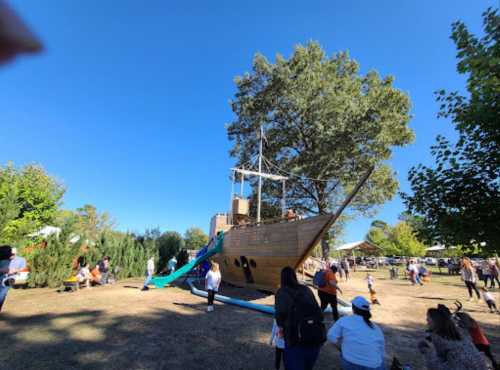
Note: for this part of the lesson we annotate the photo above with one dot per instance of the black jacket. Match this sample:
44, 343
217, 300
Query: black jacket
283, 304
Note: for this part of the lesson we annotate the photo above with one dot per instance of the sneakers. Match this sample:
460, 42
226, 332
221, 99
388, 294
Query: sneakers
144, 288
210, 308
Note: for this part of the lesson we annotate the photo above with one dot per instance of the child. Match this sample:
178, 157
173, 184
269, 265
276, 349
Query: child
465, 321
150, 269
373, 297
212, 282
369, 279
278, 342
490, 301
84, 275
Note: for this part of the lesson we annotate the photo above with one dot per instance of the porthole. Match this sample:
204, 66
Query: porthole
236, 262
253, 263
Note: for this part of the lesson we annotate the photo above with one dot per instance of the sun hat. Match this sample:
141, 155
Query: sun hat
361, 303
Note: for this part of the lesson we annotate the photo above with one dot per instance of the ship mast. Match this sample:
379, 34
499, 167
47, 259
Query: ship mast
261, 175
259, 188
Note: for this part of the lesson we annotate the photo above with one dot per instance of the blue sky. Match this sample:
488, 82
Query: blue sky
128, 103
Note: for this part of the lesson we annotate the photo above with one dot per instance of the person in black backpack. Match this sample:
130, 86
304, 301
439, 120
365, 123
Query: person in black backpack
300, 321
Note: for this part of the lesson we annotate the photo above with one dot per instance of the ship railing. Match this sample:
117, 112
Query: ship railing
274, 220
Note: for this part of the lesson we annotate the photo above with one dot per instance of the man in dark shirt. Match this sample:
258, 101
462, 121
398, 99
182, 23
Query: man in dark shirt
104, 270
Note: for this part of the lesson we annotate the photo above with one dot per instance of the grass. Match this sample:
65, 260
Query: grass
120, 327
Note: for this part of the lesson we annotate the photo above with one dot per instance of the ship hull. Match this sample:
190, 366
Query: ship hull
254, 256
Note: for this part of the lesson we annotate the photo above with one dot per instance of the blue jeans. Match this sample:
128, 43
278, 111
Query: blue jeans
3, 294
346, 365
417, 279
149, 277
300, 358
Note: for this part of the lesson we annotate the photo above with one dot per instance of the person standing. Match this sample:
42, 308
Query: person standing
172, 265
495, 272
340, 269
360, 341
278, 342
414, 273
297, 311
485, 268
328, 293
469, 277
212, 283
369, 280
347, 268
150, 269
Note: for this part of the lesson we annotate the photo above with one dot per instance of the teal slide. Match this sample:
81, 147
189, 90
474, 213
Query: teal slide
162, 281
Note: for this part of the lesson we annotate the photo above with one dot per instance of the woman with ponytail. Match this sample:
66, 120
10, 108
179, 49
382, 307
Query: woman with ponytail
360, 341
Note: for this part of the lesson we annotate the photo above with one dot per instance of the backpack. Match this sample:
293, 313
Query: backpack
319, 279
307, 327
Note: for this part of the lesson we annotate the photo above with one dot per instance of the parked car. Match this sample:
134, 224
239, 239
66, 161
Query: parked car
429, 261
443, 262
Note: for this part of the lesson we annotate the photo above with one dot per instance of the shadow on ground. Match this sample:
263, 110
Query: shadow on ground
176, 333
158, 340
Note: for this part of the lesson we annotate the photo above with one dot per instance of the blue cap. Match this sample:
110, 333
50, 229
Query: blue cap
361, 303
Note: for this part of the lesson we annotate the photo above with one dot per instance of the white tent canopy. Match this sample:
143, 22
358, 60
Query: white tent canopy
47, 231
436, 248
362, 246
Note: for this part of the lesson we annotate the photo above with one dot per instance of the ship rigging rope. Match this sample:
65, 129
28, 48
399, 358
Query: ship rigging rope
253, 166
268, 162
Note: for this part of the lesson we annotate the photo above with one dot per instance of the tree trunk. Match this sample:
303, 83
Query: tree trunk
325, 248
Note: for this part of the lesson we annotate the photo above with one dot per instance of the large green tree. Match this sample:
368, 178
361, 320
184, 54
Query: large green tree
91, 223
195, 238
459, 197
398, 240
169, 244
29, 199
325, 125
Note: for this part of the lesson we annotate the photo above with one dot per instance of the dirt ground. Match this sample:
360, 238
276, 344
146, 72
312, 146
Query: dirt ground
120, 327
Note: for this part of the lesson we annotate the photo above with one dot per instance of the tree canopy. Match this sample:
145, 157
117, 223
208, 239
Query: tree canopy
398, 240
325, 125
170, 244
29, 199
195, 238
459, 198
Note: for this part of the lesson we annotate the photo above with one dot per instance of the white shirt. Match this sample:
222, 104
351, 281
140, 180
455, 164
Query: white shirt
369, 279
213, 280
83, 273
277, 341
151, 266
413, 268
361, 345
488, 297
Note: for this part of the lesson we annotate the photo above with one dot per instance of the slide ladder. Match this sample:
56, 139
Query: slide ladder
162, 281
